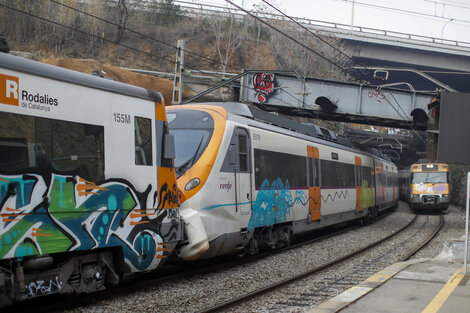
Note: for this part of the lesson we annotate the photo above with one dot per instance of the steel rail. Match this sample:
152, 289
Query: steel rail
271, 287
431, 237
67, 302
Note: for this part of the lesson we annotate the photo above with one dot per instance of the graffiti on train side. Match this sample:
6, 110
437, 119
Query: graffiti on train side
274, 203
68, 213
367, 196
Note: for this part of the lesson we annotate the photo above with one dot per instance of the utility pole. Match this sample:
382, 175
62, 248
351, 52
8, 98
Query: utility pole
178, 79
352, 17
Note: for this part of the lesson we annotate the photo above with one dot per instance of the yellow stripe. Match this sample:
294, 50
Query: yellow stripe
444, 293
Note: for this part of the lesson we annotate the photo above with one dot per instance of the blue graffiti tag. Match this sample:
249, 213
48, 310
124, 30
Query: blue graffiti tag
274, 203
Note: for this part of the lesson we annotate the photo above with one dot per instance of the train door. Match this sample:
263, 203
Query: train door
243, 172
314, 195
358, 175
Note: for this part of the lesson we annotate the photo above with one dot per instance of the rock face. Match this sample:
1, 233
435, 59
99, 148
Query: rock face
4, 45
88, 66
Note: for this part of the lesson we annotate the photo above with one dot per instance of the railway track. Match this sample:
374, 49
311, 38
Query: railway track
364, 267
173, 272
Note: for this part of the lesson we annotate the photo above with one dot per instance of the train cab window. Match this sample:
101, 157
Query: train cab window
429, 177
143, 141
50, 145
193, 131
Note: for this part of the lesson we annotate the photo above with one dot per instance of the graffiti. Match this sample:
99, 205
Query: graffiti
431, 189
377, 95
273, 203
440, 188
168, 196
330, 197
423, 188
226, 186
41, 287
68, 213
263, 85
367, 197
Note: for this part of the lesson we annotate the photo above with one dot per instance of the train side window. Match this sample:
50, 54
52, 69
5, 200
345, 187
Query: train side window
276, 166
311, 174
16, 142
242, 152
143, 141
314, 173
62, 147
76, 148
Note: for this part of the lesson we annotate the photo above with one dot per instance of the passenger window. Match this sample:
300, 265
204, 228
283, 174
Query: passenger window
28, 142
143, 141
242, 152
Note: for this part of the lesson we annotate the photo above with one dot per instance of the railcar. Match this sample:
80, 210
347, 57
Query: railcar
425, 185
87, 184
249, 179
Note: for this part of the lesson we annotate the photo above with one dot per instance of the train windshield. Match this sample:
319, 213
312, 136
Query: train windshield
429, 177
192, 130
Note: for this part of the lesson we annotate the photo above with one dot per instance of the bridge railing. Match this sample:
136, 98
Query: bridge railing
197, 9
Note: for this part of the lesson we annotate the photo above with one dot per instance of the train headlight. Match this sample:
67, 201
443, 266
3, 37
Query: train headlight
193, 183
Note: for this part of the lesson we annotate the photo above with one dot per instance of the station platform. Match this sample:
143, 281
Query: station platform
420, 285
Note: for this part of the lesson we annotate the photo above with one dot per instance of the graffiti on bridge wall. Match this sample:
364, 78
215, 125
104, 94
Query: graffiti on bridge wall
70, 214
263, 85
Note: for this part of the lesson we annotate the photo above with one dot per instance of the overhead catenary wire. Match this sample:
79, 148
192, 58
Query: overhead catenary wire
119, 44
82, 32
403, 116
313, 34
403, 11
287, 35
141, 34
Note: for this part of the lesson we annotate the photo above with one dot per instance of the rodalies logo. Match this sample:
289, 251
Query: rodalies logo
9, 90
10, 93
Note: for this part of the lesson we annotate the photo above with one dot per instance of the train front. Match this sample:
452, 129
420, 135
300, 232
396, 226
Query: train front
198, 132
429, 186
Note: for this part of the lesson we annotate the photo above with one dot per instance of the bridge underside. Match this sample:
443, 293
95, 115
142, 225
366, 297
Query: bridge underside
451, 69
342, 117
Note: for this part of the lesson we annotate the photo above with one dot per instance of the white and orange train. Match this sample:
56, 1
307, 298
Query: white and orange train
250, 179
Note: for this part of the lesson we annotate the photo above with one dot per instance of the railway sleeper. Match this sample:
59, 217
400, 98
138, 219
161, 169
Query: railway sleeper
23, 279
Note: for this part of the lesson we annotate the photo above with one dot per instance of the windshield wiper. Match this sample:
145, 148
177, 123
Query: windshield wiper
180, 170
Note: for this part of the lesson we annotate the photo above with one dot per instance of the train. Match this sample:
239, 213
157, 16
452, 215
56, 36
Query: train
425, 185
250, 179
88, 192
100, 181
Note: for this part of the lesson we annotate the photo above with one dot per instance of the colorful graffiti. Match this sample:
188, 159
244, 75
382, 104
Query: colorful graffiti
367, 197
430, 188
274, 202
263, 85
68, 213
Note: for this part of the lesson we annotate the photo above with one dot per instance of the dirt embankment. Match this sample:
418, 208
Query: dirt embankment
163, 86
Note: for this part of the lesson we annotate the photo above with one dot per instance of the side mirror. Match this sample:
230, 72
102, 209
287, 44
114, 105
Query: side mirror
168, 146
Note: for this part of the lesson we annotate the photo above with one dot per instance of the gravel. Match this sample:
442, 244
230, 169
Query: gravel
200, 291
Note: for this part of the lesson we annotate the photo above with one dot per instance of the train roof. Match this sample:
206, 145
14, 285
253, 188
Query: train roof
27, 66
315, 131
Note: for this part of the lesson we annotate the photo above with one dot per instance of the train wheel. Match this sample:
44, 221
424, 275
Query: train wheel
368, 218
284, 237
252, 248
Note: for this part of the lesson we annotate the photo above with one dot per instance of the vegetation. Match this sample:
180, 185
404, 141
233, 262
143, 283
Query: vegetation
120, 32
